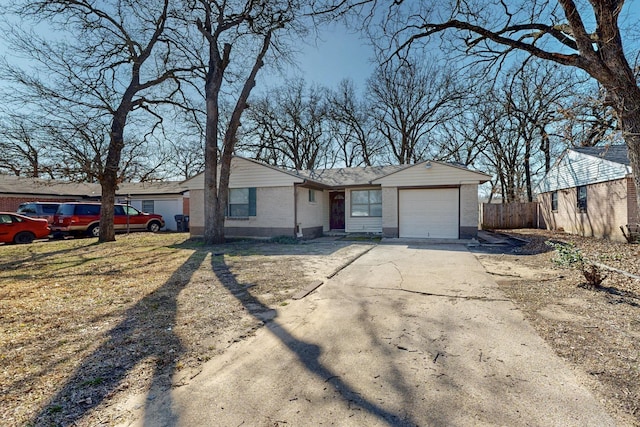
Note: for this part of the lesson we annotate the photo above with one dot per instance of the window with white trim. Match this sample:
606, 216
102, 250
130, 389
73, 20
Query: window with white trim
366, 203
312, 196
147, 206
582, 198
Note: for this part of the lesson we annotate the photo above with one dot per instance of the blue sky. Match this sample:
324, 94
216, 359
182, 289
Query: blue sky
339, 54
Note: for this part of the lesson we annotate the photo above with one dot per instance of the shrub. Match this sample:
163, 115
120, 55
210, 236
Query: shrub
568, 255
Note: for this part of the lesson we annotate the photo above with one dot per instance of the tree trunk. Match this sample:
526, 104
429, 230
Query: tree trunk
630, 124
109, 178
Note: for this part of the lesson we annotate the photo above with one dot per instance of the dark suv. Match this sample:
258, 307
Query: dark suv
83, 218
44, 210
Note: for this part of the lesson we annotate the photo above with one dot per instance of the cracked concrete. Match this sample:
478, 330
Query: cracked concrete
367, 348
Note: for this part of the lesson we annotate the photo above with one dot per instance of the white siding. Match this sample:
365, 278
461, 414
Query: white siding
274, 209
246, 173
575, 169
437, 175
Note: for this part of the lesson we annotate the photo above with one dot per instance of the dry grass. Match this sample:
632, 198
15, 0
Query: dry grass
84, 325
597, 330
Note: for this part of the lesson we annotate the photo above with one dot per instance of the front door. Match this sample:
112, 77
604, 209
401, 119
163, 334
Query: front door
336, 219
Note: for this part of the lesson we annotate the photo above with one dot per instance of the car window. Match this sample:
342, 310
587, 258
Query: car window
66, 209
23, 209
5, 219
87, 210
117, 210
131, 210
49, 209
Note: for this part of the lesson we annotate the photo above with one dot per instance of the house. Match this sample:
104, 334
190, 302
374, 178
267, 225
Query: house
426, 200
590, 191
165, 198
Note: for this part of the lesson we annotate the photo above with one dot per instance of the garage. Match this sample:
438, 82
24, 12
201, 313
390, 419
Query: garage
429, 213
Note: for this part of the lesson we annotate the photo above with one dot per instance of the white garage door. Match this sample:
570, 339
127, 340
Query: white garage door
432, 213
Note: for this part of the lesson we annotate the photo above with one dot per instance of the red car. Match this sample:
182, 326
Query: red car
15, 228
77, 218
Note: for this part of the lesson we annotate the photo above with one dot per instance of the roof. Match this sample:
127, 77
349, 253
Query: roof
345, 177
613, 153
42, 187
585, 166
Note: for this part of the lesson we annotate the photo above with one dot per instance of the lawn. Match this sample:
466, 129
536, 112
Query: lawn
84, 325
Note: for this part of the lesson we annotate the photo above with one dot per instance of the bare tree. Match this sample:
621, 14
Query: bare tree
352, 127
111, 56
583, 35
289, 127
407, 102
24, 151
588, 121
224, 24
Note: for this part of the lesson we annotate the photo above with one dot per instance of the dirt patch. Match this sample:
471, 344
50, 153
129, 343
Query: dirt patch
596, 330
90, 332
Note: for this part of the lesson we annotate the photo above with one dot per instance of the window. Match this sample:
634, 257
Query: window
147, 206
366, 203
582, 198
312, 196
242, 202
554, 201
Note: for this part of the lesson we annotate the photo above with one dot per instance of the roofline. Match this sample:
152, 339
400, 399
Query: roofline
601, 158
405, 167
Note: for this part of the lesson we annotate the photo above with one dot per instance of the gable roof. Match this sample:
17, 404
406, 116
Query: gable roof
584, 166
613, 153
347, 177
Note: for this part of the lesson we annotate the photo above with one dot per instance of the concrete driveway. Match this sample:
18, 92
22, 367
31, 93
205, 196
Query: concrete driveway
406, 335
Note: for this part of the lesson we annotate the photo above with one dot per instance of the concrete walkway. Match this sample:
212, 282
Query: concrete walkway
404, 336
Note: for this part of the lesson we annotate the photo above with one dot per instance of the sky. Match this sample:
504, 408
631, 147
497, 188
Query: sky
339, 54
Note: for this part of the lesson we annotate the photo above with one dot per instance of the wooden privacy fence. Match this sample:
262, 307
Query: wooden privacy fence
509, 215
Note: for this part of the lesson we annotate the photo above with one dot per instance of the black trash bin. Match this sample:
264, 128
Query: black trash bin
179, 222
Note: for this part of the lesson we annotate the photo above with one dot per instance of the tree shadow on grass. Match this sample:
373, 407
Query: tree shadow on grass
307, 353
145, 335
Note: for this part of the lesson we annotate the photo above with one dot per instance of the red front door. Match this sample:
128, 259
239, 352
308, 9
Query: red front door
336, 218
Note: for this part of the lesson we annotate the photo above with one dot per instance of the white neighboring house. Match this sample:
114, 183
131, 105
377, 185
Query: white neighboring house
426, 200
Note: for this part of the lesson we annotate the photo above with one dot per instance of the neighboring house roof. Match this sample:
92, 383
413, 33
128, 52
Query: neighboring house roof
586, 165
41, 187
612, 153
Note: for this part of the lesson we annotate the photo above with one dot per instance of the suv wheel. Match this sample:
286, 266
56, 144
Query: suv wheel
154, 226
94, 230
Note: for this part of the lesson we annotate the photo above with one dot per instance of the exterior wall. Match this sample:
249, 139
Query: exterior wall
310, 215
632, 202
359, 224
606, 210
390, 212
274, 214
326, 212
11, 204
469, 217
